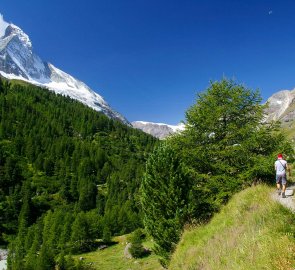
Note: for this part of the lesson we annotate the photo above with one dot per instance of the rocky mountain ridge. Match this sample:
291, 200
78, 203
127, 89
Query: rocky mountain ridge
280, 106
158, 130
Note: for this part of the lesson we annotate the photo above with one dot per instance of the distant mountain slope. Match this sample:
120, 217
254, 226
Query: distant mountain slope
158, 130
249, 233
282, 108
18, 61
279, 105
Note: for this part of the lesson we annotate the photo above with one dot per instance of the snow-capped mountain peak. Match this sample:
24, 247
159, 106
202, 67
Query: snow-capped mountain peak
13, 30
18, 61
159, 130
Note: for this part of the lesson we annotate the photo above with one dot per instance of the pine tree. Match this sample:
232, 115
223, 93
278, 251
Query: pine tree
65, 236
136, 238
106, 236
16, 260
32, 253
164, 199
81, 240
45, 260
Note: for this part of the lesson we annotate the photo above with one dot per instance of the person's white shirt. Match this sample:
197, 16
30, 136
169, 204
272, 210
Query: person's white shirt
281, 166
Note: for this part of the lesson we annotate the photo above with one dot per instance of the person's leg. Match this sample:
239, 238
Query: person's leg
284, 183
278, 185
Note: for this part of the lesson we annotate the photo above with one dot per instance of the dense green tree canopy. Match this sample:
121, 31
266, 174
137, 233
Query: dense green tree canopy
66, 170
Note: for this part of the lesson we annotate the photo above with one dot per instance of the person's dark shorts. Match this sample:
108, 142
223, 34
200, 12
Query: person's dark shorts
281, 179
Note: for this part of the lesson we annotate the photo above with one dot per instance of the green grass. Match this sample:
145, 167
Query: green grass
290, 131
251, 232
112, 258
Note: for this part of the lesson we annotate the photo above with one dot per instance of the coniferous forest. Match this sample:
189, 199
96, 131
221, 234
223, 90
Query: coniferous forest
68, 176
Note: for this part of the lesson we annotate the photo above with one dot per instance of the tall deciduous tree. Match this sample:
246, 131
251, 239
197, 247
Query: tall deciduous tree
226, 144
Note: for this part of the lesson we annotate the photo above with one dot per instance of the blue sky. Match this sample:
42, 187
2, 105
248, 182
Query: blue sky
149, 58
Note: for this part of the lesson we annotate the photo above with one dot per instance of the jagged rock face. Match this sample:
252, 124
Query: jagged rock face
18, 61
289, 117
17, 57
157, 130
279, 106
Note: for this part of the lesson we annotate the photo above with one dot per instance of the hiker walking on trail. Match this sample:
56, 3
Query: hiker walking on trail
281, 168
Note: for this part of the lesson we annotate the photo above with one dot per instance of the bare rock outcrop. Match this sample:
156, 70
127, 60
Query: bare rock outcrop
280, 106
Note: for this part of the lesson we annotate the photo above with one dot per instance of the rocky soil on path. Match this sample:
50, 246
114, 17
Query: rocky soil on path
289, 201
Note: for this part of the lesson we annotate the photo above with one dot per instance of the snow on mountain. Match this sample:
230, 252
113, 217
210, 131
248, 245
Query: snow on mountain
3, 26
158, 130
18, 61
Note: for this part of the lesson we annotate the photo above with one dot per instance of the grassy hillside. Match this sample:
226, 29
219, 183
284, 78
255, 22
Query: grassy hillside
251, 232
112, 258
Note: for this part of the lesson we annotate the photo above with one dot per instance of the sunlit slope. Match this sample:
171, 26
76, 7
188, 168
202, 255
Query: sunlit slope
112, 258
251, 232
